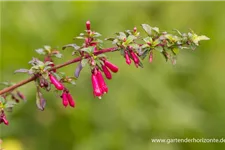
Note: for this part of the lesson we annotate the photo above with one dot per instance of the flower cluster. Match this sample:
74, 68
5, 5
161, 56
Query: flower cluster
98, 82
133, 47
3, 118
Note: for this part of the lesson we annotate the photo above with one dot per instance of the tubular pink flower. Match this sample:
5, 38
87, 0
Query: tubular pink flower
135, 57
151, 56
71, 100
101, 82
128, 61
135, 29
55, 82
6, 122
111, 66
65, 100
88, 25
106, 72
96, 87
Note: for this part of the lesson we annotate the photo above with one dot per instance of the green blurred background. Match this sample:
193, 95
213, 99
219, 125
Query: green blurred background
159, 101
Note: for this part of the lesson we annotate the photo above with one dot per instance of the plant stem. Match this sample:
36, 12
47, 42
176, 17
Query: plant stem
21, 83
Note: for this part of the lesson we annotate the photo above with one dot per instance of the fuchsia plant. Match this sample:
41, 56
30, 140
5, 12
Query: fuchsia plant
131, 45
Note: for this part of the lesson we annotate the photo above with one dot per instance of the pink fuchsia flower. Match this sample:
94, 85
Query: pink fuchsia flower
95, 84
3, 118
88, 25
135, 57
111, 66
150, 56
135, 29
65, 100
70, 100
128, 61
58, 85
101, 82
107, 73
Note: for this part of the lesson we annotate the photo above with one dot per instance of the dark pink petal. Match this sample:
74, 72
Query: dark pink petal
88, 25
111, 66
71, 100
55, 82
128, 61
96, 87
106, 72
101, 82
65, 101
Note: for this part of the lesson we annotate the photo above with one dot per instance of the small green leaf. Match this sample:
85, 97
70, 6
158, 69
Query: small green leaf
148, 39
156, 42
84, 62
89, 49
159, 48
96, 34
147, 28
175, 50
130, 39
74, 46
58, 55
115, 41
156, 29
121, 36
41, 51
21, 71
80, 37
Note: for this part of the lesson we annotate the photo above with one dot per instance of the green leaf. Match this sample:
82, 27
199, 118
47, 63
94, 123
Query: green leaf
156, 42
159, 48
115, 41
148, 39
156, 29
80, 37
145, 53
89, 49
45, 75
175, 50
58, 55
200, 38
79, 68
121, 36
147, 28
21, 71
130, 39
145, 46
41, 51
96, 34
74, 46
84, 62
40, 101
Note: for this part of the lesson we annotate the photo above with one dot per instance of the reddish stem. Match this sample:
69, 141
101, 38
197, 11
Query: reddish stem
21, 83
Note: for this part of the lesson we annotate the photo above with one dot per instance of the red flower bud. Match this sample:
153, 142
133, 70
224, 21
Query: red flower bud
151, 56
111, 66
21, 95
47, 58
96, 87
88, 25
65, 101
71, 100
135, 57
128, 61
106, 72
101, 82
6, 122
55, 82
135, 29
